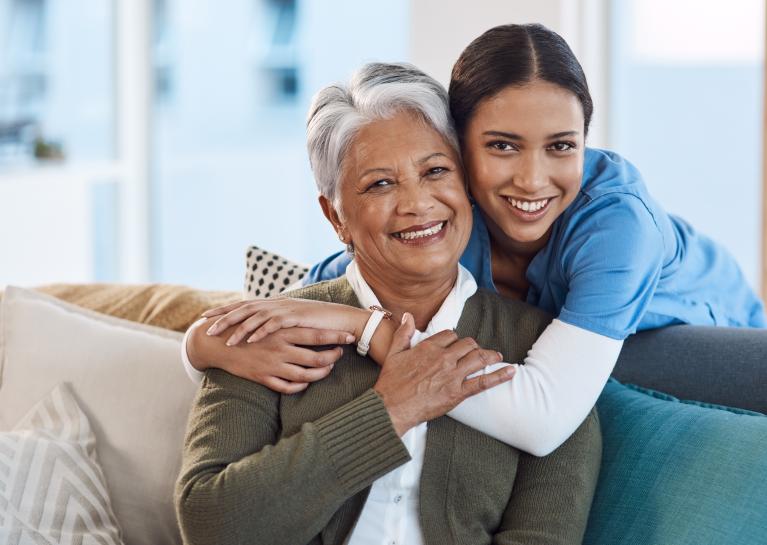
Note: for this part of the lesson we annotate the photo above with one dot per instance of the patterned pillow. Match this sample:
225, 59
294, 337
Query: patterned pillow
268, 274
52, 489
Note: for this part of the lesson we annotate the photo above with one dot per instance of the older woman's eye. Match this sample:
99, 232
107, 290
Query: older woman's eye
436, 171
380, 183
562, 146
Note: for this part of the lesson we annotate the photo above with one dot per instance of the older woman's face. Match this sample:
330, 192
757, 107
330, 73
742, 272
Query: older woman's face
402, 200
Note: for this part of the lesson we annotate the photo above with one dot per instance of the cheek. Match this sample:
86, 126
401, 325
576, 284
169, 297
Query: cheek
569, 176
485, 172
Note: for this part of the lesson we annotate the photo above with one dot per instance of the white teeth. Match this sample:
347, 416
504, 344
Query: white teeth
410, 235
528, 206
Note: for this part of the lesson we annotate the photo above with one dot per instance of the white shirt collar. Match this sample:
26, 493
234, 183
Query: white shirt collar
446, 317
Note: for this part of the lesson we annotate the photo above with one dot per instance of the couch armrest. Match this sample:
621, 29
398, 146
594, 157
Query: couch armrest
727, 366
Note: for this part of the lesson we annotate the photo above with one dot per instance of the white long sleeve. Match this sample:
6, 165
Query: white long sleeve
195, 375
550, 395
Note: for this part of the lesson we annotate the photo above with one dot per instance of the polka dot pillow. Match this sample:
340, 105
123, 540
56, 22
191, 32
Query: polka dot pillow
268, 274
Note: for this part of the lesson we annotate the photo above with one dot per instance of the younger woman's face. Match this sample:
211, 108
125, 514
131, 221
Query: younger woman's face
523, 152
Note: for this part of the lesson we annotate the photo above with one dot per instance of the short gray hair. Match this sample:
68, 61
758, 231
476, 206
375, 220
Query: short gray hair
376, 91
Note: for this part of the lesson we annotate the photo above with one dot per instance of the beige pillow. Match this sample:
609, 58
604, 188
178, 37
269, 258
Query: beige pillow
52, 489
130, 384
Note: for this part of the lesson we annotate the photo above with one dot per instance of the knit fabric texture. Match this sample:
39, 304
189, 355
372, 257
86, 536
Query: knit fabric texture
260, 467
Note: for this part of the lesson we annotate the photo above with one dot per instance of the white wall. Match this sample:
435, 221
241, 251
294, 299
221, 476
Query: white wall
441, 29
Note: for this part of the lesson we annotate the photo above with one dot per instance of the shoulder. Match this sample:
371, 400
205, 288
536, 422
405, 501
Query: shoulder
605, 171
337, 290
510, 321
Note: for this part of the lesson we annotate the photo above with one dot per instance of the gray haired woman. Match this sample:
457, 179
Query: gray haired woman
370, 454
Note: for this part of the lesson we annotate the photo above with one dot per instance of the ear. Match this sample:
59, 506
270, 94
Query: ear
334, 218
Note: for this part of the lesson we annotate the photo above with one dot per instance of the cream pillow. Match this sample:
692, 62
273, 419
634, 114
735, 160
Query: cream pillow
131, 385
268, 274
52, 489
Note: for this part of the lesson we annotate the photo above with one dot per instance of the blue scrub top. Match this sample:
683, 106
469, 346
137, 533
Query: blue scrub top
616, 262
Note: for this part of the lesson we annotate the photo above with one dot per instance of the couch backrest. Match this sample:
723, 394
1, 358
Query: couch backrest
726, 366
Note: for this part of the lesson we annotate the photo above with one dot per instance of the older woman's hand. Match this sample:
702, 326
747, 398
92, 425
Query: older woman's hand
422, 383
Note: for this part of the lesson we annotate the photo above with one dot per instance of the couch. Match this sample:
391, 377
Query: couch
115, 348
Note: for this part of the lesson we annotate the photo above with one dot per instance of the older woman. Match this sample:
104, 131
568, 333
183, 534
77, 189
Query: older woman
367, 455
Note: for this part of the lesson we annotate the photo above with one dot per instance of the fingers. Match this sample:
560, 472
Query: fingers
248, 326
223, 309
484, 382
461, 348
298, 374
477, 359
306, 336
443, 338
271, 325
232, 317
311, 358
283, 386
401, 339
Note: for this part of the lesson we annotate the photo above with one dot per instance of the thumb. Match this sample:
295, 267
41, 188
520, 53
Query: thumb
400, 341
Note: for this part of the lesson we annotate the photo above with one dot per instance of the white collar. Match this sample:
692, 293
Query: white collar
449, 312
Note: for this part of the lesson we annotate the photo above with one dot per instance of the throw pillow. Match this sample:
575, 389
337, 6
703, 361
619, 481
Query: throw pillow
268, 274
52, 489
129, 381
676, 472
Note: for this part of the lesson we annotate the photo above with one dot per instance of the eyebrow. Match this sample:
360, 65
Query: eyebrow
515, 136
418, 162
431, 156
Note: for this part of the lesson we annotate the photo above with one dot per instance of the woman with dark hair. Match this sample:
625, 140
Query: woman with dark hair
569, 229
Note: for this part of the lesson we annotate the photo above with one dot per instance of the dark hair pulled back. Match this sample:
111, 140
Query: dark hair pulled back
513, 55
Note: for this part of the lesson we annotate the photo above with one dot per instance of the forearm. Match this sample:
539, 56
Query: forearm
550, 395
552, 495
241, 482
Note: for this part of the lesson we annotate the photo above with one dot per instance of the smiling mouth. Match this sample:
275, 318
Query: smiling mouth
528, 206
420, 232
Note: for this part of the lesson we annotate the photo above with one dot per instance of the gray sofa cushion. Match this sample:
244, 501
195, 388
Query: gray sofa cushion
720, 365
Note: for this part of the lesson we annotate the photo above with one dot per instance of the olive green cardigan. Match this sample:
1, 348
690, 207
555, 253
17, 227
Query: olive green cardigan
264, 468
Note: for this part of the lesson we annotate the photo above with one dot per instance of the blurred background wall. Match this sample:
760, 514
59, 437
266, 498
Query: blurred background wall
153, 140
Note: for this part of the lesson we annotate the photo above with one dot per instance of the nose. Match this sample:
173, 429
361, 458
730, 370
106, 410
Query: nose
414, 199
530, 174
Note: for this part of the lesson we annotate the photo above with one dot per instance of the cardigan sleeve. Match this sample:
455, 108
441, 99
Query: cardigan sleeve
551, 498
242, 482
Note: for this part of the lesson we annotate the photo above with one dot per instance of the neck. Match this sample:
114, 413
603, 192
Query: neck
512, 247
420, 297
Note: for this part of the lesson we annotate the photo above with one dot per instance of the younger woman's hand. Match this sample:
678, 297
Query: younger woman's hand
282, 361
256, 319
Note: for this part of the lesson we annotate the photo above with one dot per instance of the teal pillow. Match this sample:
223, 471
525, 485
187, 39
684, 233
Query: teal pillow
678, 472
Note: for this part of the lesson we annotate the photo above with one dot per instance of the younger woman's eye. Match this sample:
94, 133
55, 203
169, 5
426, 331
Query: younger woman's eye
499, 145
562, 146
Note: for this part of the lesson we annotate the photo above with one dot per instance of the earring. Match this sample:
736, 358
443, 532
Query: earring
341, 238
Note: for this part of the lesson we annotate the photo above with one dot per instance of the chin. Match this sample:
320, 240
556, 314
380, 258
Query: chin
427, 267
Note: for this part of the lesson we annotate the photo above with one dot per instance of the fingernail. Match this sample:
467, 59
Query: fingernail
229, 343
211, 330
350, 338
404, 317
500, 356
510, 371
